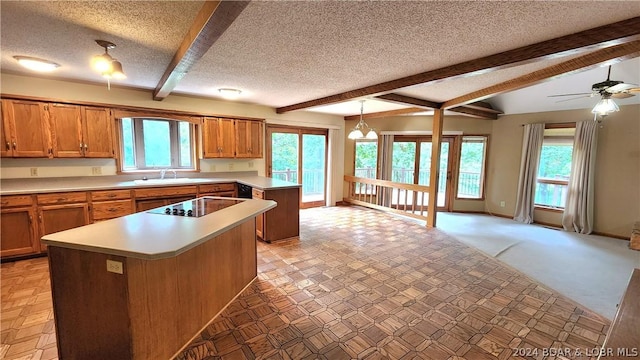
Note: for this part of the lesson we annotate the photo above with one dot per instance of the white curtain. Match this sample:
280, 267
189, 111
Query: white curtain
386, 167
578, 211
531, 147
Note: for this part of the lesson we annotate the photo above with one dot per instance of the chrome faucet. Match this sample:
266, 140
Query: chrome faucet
164, 171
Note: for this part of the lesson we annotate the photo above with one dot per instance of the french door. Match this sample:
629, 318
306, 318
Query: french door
411, 164
299, 155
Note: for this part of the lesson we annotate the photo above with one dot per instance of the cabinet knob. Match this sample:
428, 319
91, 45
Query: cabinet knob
86, 147
15, 145
8, 146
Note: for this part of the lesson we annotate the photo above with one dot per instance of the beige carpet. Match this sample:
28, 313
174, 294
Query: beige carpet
592, 270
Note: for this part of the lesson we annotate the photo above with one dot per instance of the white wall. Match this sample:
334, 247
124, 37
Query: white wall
11, 84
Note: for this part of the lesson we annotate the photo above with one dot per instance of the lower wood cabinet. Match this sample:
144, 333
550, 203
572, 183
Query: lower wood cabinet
109, 204
54, 218
18, 230
223, 189
283, 221
151, 198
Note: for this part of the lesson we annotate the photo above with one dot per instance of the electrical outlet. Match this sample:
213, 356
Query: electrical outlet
34, 171
212, 168
114, 267
502, 204
230, 166
250, 164
96, 170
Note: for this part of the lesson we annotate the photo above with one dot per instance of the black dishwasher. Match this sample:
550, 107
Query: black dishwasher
244, 191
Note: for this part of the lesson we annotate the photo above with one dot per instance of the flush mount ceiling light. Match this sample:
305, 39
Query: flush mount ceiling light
357, 133
106, 65
36, 64
229, 93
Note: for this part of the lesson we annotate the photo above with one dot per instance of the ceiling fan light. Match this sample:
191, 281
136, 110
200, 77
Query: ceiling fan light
605, 106
355, 134
117, 72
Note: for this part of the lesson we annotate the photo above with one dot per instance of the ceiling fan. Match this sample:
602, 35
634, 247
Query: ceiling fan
607, 89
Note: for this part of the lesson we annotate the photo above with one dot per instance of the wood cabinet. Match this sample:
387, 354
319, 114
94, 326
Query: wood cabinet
218, 135
223, 189
80, 131
25, 130
283, 221
232, 138
249, 138
61, 211
109, 204
152, 198
18, 231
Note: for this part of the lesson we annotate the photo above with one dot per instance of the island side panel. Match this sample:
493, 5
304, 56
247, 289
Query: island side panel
90, 305
283, 221
178, 297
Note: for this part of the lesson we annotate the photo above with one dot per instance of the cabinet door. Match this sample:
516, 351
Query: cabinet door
227, 137
259, 194
28, 126
18, 232
5, 135
66, 130
256, 139
97, 133
144, 205
56, 218
210, 144
243, 138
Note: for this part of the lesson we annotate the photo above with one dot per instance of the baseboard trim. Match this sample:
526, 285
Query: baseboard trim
611, 235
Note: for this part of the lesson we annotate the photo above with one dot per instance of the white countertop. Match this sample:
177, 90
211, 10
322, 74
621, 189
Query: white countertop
156, 236
48, 185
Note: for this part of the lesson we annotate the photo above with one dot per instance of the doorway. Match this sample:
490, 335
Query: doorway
299, 155
411, 164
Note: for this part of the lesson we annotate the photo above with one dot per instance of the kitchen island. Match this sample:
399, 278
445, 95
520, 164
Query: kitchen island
143, 285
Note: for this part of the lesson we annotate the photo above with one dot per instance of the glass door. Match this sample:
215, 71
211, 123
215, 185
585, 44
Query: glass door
411, 164
299, 155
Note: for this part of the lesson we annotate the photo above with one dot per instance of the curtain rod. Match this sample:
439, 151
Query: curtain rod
554, 125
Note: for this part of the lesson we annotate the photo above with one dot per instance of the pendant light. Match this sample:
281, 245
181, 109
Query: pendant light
357, 132
106, 65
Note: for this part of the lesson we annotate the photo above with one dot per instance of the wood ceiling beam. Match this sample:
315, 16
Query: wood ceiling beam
584, 62
210, 23
408, 100
476, 113
405, 111
603, 36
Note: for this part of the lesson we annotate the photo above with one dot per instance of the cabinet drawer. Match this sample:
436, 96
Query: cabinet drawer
211, 188
16, 200
220, 193
111, 209
257, 194
62, 198
110, 195
165, 192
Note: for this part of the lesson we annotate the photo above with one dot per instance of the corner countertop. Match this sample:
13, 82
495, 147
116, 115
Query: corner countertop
156, 236
62, 184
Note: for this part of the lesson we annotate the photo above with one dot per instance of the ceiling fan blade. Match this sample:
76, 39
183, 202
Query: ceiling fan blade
634, 90
622, 95
574, 98
622, 87
569, 94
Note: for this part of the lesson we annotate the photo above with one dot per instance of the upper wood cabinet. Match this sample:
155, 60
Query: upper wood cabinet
97, 132
38, 129
232, 138
249, 138
80, 131
25, 130
218, 137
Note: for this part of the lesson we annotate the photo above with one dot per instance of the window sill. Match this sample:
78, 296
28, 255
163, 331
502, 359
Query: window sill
549, 208
469, 198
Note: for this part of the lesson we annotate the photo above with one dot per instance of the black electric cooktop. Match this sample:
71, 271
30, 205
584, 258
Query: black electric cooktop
196, 207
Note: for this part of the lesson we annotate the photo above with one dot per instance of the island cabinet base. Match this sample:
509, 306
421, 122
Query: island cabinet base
155, 307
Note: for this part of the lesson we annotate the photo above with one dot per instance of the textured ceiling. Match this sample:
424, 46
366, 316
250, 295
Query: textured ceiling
284, 52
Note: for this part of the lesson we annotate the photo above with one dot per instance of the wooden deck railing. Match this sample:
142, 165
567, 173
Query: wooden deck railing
406, 199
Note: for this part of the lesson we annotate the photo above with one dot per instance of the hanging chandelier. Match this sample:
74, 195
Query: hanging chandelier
357, 132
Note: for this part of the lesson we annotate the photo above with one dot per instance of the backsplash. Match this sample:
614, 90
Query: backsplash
51, 168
